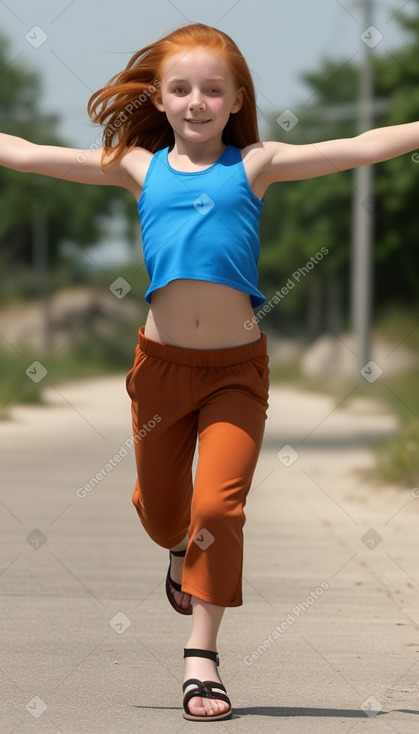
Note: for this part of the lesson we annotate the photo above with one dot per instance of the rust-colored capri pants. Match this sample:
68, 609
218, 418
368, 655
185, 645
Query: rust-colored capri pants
220, 398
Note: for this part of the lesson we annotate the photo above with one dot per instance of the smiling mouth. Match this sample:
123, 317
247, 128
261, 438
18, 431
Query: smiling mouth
198, 122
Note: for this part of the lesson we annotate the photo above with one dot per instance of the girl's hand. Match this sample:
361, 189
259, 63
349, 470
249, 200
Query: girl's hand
285, 162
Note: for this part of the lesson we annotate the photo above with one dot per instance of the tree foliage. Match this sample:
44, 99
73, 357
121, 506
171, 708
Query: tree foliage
71, 209
301, 217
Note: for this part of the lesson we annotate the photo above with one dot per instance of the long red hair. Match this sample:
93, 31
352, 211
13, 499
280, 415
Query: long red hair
125, 109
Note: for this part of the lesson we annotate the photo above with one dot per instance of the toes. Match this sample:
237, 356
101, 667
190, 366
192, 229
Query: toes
211, 707
186, 601
182, 600
206, 706
196, 707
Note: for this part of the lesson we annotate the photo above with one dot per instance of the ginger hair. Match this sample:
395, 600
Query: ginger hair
125, 108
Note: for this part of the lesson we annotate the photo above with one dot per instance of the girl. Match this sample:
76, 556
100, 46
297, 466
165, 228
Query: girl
180, 133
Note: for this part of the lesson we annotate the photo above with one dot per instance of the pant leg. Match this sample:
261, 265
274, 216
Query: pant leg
231, 426
160, 395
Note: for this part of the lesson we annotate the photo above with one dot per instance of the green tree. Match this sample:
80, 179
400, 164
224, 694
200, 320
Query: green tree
301, 217
72, 210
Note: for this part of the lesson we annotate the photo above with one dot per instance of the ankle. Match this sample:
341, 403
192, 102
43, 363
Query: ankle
202, 643
200, 666
182, 545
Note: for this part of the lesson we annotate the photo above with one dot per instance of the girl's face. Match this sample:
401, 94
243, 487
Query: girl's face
197, 94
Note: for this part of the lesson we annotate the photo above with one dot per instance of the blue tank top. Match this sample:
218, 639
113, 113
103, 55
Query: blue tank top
202, 225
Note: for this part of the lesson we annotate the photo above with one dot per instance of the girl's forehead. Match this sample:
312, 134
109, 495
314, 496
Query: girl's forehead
194, 62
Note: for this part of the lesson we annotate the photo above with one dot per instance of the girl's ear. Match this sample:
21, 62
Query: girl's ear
238, 101
157, 101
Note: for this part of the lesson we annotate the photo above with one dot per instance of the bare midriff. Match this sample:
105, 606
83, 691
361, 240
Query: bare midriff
197, 314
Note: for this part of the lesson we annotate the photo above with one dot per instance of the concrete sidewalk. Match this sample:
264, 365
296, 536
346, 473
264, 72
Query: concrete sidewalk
328, 633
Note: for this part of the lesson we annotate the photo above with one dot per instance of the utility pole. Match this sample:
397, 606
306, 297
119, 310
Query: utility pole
363, 213
40, 244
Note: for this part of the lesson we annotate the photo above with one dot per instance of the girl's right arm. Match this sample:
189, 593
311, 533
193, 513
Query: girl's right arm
70, 164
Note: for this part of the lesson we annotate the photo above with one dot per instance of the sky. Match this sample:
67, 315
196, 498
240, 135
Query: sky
78, 45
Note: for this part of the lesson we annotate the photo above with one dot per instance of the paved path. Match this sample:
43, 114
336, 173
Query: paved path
327, 635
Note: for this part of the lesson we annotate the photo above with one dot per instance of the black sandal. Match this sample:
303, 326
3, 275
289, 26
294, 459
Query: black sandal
204, 689
170, 584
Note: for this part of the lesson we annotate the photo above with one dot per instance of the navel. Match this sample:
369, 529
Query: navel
197, 323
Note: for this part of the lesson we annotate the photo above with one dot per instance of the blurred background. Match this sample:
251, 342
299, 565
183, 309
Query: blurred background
72, 279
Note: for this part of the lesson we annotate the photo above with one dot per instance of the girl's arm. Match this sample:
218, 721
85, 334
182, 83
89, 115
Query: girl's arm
71, 164
285, 162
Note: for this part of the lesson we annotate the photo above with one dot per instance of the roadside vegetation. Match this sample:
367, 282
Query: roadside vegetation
397, 457
301, 219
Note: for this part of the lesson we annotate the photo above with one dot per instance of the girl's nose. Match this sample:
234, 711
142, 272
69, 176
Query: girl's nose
196, 102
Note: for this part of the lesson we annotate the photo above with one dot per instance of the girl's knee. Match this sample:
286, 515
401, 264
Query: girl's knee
209, 513
167, 529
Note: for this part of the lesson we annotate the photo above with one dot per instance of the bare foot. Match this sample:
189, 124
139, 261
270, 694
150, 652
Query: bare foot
203, 669
176, 569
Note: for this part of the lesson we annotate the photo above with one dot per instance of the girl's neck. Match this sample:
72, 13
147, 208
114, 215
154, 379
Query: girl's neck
197, 153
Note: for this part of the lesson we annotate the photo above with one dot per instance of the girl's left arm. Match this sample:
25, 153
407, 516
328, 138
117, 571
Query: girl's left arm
288, 162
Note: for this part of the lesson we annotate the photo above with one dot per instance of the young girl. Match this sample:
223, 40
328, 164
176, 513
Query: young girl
180, 133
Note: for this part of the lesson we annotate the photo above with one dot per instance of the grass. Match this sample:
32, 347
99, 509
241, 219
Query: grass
101, 347
397, 457
91, 358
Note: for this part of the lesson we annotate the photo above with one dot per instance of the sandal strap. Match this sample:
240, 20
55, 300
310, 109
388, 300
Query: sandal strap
204, 689
199, 683
175, 584
192, 652
181, 554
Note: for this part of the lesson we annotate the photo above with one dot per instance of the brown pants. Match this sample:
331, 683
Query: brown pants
220, 398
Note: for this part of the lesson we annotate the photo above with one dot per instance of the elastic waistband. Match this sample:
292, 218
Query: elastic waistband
202, 357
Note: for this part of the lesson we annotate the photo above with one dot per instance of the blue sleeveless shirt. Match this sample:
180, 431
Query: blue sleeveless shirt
201, 225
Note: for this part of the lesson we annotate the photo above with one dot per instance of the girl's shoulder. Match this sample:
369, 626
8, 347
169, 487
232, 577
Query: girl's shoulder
135, 163
137, 156
256, 160
261, 150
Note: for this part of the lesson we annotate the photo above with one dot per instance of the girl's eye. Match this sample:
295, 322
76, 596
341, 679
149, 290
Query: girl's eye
181, 90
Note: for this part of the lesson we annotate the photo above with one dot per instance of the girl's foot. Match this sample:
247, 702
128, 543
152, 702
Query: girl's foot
183, 600
204, 670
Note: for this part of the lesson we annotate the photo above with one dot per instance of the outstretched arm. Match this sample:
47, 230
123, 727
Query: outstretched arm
70, 164
285, 162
